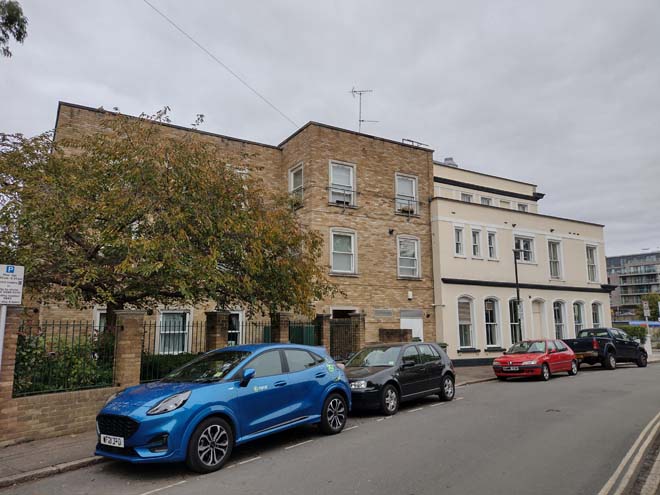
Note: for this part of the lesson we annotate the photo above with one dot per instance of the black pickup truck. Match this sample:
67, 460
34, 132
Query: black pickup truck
607, 346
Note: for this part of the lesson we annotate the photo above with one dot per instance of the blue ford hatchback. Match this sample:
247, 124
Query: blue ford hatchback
224, 398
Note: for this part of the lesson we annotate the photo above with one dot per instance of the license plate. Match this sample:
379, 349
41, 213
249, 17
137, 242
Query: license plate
511, 368
112, 441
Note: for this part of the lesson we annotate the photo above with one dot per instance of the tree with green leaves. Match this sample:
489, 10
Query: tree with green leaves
134, 216
13, 24
653, 300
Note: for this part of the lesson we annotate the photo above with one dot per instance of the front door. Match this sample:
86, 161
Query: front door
416, 325
537, 312
234, 331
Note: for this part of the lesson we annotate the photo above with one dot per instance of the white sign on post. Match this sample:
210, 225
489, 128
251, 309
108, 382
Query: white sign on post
11, 285
647, 310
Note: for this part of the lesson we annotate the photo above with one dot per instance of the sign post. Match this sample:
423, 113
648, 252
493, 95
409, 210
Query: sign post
11, 293
647, 314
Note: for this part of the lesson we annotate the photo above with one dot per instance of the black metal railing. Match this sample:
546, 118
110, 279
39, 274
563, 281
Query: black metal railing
59, 356
251, 332
342, 343
303, 332
167, 346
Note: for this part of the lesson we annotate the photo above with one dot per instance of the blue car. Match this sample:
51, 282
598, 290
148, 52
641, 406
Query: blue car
227, 397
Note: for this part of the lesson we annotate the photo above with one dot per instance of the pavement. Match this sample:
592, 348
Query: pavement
568, 435
42, 458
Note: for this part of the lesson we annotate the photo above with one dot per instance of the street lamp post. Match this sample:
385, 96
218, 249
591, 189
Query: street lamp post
515, 264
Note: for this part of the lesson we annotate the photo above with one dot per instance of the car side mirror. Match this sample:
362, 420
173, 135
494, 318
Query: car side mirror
248, 374
408, 363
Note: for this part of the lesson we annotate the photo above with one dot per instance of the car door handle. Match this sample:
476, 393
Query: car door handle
320, 374
281, 383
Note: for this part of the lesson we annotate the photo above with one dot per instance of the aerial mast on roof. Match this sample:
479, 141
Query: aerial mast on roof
359, 93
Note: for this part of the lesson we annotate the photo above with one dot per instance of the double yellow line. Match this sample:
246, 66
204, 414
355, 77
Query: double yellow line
621, 478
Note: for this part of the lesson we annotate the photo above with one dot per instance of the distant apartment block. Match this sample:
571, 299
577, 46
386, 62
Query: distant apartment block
634, 275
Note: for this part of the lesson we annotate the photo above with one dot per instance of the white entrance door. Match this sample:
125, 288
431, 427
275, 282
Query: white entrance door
417, 326
539, 320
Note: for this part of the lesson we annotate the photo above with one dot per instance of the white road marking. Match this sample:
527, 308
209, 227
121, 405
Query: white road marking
163, 487
351, 428
610, 483
415, 410
379, 420
438, 404
460, 398
297, 444
249, 460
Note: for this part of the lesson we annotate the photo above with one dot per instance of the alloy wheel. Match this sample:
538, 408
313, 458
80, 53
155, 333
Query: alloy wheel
546, 372
574, 368
448, 387
391, 400
336, 413
212, 445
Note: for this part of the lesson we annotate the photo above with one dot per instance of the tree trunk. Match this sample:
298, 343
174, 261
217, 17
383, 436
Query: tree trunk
111, 315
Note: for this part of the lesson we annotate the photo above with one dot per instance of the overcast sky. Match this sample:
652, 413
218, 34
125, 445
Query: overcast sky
563, 94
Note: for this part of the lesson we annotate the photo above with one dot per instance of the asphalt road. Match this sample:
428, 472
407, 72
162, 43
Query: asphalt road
564, 436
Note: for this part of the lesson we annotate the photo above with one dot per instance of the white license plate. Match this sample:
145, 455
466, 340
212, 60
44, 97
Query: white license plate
511, 368
112, 441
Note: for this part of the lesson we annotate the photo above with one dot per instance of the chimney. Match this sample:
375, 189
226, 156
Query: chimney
449, 161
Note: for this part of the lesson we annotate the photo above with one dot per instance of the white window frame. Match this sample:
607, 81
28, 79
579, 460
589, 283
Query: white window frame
486, 201
562, 308
578, 325
408, 202
521, 310
418, 259
354, 245
294, 191
597, 323
489, 233
477, 245
472, 322
522, 207
505, 204
459, 253
496, 324
353, 186
560, 268
464, 197
98, 311
186, 325
531, 239
596, 278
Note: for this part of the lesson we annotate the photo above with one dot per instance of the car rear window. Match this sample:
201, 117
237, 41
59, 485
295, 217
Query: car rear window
593, 332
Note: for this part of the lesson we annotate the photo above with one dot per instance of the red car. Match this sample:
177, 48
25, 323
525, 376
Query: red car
539, 358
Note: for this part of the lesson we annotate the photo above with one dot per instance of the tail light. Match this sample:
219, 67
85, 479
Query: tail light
595, 344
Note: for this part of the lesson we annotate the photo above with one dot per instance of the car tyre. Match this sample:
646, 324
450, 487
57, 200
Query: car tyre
447, 388
334, 414
389, 400
545, 372
642, 360
574, 368
610, 361
210, 445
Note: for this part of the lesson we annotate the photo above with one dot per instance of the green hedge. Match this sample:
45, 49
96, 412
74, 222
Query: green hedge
635, 332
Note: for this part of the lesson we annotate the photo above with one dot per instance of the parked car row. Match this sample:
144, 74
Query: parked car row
230, 396
542, 358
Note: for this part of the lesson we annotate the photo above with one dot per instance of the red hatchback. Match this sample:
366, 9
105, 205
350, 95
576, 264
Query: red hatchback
539, 358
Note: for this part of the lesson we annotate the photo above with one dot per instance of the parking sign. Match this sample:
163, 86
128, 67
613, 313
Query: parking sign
11, 284
647, 310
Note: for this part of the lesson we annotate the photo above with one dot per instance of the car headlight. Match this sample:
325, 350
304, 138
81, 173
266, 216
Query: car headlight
529, 362
170, 404
495, 363
359, 384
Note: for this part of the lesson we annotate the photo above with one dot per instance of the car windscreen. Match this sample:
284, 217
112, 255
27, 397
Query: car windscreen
593, 332
527, 347
375, 356
208, 368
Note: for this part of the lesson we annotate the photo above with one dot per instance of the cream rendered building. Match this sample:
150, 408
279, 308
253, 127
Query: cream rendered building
477, 221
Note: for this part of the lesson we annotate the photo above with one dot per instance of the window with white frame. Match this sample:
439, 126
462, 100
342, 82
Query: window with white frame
406, 194
486, 201
490, 315
342, 184
465, 322
476, 243
505, 204
592, 267
466, 197
408, 250
595, 315
343, 251
522, 207
524, 249
558, 313
578, 316
459, 249
515, 321
173, 332
553, 259
296, 183
492, 245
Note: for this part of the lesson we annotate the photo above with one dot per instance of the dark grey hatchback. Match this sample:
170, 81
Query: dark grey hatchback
384, 375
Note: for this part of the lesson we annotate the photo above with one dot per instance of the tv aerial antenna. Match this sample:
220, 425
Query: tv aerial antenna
359, 93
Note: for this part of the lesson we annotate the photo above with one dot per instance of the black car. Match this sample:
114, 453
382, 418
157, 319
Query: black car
383, 375
607, 346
